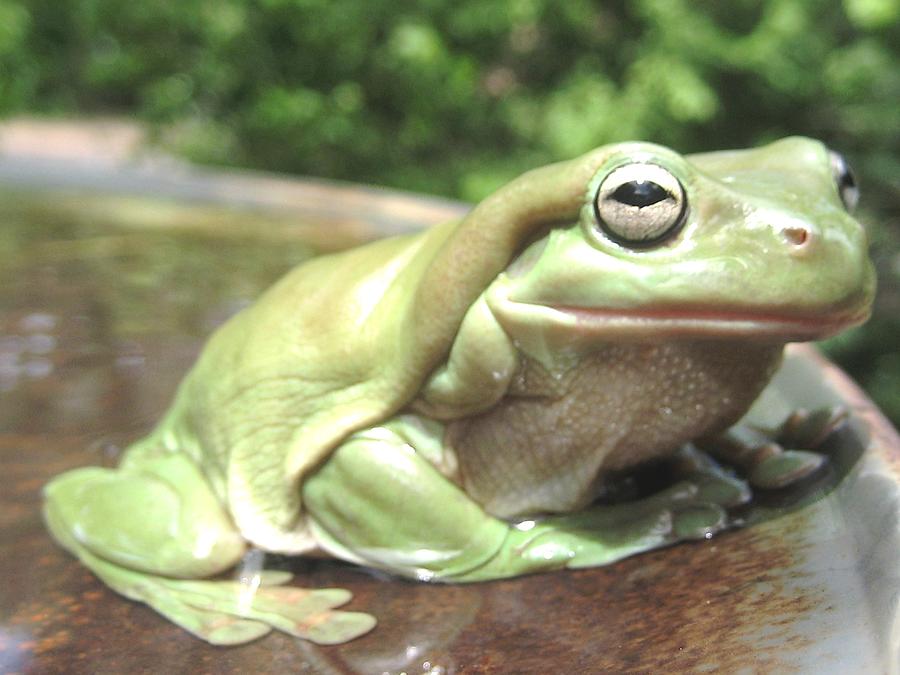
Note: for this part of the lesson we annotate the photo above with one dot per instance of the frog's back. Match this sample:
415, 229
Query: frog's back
285, 379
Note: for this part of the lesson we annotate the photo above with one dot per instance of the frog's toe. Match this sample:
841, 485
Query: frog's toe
225, 630
785, 468
720, 489
334, 627
303, 613
808, 430
713, 483
698, 521
310, 614
218, 628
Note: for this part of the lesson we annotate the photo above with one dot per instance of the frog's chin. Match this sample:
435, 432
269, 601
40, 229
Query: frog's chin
591, 324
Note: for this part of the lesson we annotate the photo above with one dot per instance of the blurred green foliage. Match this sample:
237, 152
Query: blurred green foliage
457, 97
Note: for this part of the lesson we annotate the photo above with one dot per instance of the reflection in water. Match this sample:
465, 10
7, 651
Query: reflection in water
13, 657
89, 317
249, 574
26, 355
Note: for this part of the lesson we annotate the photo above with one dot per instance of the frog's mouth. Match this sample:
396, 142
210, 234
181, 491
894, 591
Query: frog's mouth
581, 322
711, 322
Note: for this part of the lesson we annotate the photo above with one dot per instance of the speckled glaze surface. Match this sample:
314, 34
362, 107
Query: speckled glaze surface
814, 589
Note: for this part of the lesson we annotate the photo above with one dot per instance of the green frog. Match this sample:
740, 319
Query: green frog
449, 405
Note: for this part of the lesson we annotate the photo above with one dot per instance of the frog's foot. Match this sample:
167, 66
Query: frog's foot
694, 508
236, 612
784, 457
152, 534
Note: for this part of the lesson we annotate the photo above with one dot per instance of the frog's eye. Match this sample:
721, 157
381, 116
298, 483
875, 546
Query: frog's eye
640, 204
844, 180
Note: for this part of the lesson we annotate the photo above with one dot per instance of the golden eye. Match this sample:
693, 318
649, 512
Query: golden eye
640, 204
844, 180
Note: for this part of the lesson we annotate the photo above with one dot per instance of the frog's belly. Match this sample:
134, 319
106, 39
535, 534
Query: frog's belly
547, 446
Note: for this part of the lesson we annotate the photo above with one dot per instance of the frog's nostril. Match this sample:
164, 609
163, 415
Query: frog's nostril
796, 236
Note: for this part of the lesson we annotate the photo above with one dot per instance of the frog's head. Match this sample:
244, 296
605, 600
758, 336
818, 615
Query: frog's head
753, 243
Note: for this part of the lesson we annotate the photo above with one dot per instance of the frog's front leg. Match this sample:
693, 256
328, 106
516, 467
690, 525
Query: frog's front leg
378, 501
778, 458
152, 529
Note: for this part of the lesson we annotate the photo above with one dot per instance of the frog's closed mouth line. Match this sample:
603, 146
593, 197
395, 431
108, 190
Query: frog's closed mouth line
690, 321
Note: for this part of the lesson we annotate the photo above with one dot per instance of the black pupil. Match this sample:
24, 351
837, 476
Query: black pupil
640, 193
846, 179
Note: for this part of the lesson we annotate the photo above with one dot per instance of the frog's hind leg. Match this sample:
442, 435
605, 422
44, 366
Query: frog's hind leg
153, 528
380, 502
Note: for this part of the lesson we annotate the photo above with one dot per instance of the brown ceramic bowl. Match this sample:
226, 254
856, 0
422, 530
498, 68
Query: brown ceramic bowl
113, 276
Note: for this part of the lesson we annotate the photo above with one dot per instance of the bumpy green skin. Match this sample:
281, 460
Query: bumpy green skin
317, 419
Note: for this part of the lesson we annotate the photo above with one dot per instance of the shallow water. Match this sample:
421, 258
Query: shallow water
98, 323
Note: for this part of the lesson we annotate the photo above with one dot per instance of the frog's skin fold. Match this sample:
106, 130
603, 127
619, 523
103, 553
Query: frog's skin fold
447, 405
